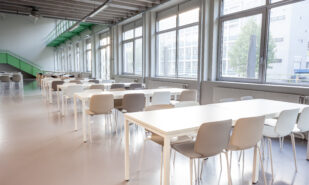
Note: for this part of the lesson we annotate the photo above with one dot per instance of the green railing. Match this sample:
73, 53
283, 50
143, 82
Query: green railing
7, 57
61, 27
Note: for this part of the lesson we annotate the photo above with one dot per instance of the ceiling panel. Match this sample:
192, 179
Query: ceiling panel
115, 10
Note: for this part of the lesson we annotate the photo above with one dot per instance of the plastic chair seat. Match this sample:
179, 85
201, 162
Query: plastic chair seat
187, 149
270, 132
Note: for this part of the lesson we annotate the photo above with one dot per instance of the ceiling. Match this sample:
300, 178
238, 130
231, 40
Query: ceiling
115, 11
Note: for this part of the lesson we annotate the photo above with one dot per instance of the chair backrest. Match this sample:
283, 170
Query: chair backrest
212, 138
55, 83
133, 102
94, 81
303, 120
97, 86
135, 86
101, 103
246, 98
76, 81
93, 90
227, 100
286, 121
70, 90
16, 78
117, 86
188, 95
247, 132
186, 104
118, 89
5, 78
163, 97
158, 107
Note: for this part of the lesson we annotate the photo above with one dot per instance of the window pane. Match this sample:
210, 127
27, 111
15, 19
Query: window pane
189, 17
166, 54
138, 56
105, 60
128, 57
232, 6
188, 52
88, 55
128, 34
77, 54
167, 23
138, 32
240, 49
288, 44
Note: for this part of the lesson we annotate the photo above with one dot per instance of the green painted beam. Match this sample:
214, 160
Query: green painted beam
69, 34
6, 58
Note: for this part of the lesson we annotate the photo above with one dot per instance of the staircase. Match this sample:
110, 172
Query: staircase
7, 57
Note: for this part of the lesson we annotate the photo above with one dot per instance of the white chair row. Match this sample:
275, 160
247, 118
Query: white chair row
233, 99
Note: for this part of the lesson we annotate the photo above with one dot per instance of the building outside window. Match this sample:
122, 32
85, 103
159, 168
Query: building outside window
266, 42
104, 49
177, 34
88, 55
132, 48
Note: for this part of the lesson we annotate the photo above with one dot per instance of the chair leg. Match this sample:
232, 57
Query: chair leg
243, 161
89, 129
191, 171
263, 147
294, 150
262, 166
161, 169
307, 146
271, 158
239, 156
220, 162
116, 121
231, 159
228, 168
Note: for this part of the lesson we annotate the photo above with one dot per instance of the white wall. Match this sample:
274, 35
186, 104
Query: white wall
20, 35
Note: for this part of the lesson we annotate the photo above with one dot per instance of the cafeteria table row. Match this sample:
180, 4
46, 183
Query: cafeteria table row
85, 96
170, 123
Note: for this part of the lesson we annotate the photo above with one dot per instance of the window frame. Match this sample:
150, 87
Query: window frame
88, 41
176, 29
265, 11
106, 35
133, 39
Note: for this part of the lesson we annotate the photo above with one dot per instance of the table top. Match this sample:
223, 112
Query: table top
120, 94
188, 119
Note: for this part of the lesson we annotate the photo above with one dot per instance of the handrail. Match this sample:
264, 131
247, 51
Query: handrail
21, 58
61, 27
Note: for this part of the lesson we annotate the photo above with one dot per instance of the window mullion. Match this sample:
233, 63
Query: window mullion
177, 42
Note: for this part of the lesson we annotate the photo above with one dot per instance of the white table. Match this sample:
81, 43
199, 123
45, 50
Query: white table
170, 123
84, 96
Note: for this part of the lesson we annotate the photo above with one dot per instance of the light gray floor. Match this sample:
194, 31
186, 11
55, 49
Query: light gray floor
39, 147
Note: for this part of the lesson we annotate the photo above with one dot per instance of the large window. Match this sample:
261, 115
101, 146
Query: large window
177, 33
70, 59
77, 58
104, 49
88, 55
264, 42
132, 48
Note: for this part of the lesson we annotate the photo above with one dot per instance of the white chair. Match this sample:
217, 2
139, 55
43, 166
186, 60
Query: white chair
68, 93
100, 104
97, 86
186, 104
212, 139
227, 100
246, 134
161, 98
302, 125
281, 127
246, 98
